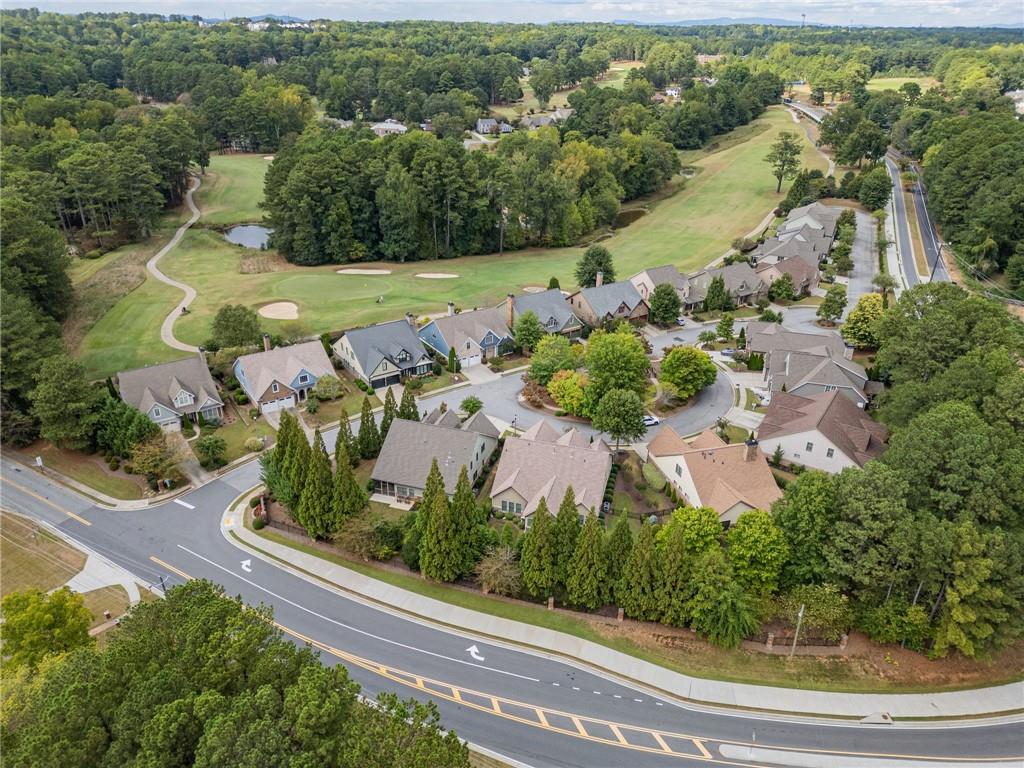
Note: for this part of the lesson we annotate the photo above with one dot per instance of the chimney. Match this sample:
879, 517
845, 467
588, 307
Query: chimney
266, 342
410, 320
202, 355
751, 453
508, 311
599, 279
451, 308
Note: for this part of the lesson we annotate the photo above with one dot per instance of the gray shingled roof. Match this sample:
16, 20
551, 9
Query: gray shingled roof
385, 341
473, 325
606, 299
796, 368
158, 384
411, 446
739, 279
545, 305
283, 364
669, 274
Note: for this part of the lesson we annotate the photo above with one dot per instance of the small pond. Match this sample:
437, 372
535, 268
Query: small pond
249, 235
627, 217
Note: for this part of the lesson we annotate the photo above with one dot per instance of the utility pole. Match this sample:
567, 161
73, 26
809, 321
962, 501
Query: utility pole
799, 621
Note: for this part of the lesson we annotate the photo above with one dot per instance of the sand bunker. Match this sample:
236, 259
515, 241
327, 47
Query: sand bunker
437, 275
534, 289
280, 310
268, 157
354, 271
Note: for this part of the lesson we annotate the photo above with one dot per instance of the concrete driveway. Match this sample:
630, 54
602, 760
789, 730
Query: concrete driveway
480, 374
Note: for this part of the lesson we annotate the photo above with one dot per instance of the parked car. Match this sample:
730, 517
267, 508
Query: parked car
728, 352
680, 321
651, 421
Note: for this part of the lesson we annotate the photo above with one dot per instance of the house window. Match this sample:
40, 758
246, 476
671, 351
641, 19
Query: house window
830, 387
157, 411
809, 447
679, 470
512, 506
303, 379
467, 345
830, 452
274, 388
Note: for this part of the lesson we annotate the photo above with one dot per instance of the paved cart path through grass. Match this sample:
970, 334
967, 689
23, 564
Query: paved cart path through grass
728, 196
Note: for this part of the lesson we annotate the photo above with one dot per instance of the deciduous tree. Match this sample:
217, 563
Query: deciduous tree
527, 330
784, 157
758, 552
36, 625
665, 304
859, 328
595, 259
687, 370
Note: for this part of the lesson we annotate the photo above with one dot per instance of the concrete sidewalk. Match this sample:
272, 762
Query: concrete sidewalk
952, 705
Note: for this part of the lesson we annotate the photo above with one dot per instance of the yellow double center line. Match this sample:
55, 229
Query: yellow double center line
46, 501
576, 725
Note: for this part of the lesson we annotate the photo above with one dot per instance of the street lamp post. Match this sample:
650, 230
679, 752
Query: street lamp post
799, 621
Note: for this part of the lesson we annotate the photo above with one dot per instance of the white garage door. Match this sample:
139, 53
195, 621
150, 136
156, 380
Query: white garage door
277, 405
471, 360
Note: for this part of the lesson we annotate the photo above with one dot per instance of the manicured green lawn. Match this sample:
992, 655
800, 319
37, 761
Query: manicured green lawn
615, 77
128, 336
236, 433
30, 557
729, 197
330, 411
894, 83
88, 470
232, 189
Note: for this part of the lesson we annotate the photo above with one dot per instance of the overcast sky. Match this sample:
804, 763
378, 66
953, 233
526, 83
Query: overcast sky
933, 13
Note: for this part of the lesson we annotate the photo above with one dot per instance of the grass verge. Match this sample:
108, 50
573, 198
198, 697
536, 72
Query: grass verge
687, 656
32, 557
916, 241
88, 470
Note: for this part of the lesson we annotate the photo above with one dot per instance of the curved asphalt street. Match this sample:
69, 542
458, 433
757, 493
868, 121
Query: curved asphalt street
615, 723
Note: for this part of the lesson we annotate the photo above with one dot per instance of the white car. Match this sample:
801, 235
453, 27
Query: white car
651, 421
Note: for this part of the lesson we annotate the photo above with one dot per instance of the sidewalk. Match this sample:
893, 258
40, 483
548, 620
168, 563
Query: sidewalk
713, 692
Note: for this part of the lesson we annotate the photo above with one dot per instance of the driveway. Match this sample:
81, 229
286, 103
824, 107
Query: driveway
480, 374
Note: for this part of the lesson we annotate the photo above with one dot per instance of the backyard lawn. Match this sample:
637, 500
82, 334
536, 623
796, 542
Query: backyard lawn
729, 196
232, 189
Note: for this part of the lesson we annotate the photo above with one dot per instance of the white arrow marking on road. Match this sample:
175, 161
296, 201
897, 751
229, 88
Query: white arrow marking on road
247, 566
185, 504
475, 653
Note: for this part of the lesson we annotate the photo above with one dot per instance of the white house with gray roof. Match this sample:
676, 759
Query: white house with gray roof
411, 446
283, 377
170, 392
551, 309
383, 354
609, 303
646, 281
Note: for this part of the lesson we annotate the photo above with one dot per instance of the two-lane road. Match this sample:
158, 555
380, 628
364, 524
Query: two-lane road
538, 709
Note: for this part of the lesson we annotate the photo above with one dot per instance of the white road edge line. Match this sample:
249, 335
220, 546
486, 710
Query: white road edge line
349, 627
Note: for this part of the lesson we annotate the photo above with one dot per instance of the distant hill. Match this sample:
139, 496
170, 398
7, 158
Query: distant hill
275, 17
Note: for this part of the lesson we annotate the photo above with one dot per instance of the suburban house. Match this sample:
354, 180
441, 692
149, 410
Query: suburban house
742, 283
170, 392
542, 463
808, 363
533, 122
824, 431
282, 377
805, 276
383, 354
388, 128
476, 336
645, 282
486, 125
708, 472
608, 303
820, 217
551, 309
411, 446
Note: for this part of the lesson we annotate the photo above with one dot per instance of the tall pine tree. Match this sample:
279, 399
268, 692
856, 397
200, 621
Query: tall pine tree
638, 590
433, 488
676, 578
620, 544
537, 560
720, 608
465, 518
369, 435
588, 578
390, 411
347, 441
349, 496
567, 531
439, 558
317, 512
296, 460
407, 409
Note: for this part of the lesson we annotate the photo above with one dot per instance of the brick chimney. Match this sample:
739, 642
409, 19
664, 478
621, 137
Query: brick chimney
266, 342
751, 453
599, 279
451, 308
509, 314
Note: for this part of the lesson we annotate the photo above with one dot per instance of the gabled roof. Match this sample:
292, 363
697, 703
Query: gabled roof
159, 384
411, 446
771, 337
797, 368
541, 464
739, 278
668, 273
796, 267
832, 414
606, 299
826, 217
283, 364
473, 326
443, 418
550, 304
385, 341
723, 474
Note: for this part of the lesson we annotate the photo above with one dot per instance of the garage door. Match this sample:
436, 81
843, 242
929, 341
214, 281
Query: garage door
387, 381
277, 405
471, 360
